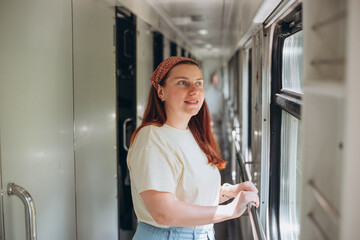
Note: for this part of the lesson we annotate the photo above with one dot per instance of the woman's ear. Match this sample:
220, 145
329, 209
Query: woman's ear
160, 92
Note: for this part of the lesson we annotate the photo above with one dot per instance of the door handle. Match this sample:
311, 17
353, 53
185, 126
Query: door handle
126, 54
29, 205
124, 133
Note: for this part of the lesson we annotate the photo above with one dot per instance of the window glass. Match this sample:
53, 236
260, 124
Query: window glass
290, 177
292, 62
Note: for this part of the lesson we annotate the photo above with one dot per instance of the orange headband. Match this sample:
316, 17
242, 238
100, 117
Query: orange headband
165, 66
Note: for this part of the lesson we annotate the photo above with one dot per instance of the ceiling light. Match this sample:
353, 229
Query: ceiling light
181, 21
203, 31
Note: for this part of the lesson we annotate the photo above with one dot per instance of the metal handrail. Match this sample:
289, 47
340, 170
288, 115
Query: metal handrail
257, 230
29, 205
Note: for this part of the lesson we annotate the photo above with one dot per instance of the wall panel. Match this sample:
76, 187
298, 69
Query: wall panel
95, 120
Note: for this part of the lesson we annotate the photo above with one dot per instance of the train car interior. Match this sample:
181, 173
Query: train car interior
281, 80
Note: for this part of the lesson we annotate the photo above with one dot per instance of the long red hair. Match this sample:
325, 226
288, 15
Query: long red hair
199, 125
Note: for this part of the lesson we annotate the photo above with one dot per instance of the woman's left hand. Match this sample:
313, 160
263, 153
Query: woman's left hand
230, 191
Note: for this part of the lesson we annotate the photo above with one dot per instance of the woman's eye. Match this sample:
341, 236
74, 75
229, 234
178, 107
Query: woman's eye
181, 82
199, 84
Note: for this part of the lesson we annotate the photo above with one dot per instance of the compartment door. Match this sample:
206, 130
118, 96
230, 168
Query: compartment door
36, 116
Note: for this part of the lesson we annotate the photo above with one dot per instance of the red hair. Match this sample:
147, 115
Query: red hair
199, 125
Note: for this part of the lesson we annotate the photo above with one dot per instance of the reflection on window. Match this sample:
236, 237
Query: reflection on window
292, 62
290, 177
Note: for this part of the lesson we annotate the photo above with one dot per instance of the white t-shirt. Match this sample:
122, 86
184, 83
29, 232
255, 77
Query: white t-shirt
167, 159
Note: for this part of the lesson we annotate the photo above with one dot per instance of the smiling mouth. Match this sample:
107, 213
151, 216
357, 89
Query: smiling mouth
191, 101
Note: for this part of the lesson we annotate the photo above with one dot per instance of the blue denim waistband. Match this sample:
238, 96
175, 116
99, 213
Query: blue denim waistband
180, 232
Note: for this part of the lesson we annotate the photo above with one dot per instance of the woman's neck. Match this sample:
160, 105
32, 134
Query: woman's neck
177, 123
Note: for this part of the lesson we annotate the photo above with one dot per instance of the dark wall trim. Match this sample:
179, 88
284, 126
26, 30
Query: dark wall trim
158, 48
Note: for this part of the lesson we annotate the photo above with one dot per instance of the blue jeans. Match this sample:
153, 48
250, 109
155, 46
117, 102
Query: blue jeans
146, 231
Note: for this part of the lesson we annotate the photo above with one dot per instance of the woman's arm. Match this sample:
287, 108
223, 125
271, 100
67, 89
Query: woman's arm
166, 210
228, 191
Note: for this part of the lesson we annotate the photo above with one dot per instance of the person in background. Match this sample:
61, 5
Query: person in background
174, 161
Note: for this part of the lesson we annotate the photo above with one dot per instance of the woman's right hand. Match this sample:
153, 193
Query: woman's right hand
240, 202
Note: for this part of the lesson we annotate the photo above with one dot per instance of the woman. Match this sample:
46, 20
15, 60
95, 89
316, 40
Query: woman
174, 161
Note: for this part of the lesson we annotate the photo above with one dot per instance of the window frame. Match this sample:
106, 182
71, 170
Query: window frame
281, 99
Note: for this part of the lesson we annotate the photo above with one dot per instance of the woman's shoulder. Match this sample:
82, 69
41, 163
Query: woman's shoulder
148, 134
149, 130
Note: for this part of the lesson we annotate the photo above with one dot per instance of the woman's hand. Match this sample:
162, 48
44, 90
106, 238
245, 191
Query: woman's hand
228, 191
241, 200
243, 194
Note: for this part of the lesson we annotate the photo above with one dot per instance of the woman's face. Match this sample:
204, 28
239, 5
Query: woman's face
183, 92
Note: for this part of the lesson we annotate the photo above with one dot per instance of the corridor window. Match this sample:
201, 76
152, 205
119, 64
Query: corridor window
290, 176
290, 171
292, 63
285, 123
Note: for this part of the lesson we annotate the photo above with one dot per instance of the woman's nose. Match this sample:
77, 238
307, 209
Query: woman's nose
193, 89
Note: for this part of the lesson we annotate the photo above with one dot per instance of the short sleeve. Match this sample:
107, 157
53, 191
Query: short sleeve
152, 168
